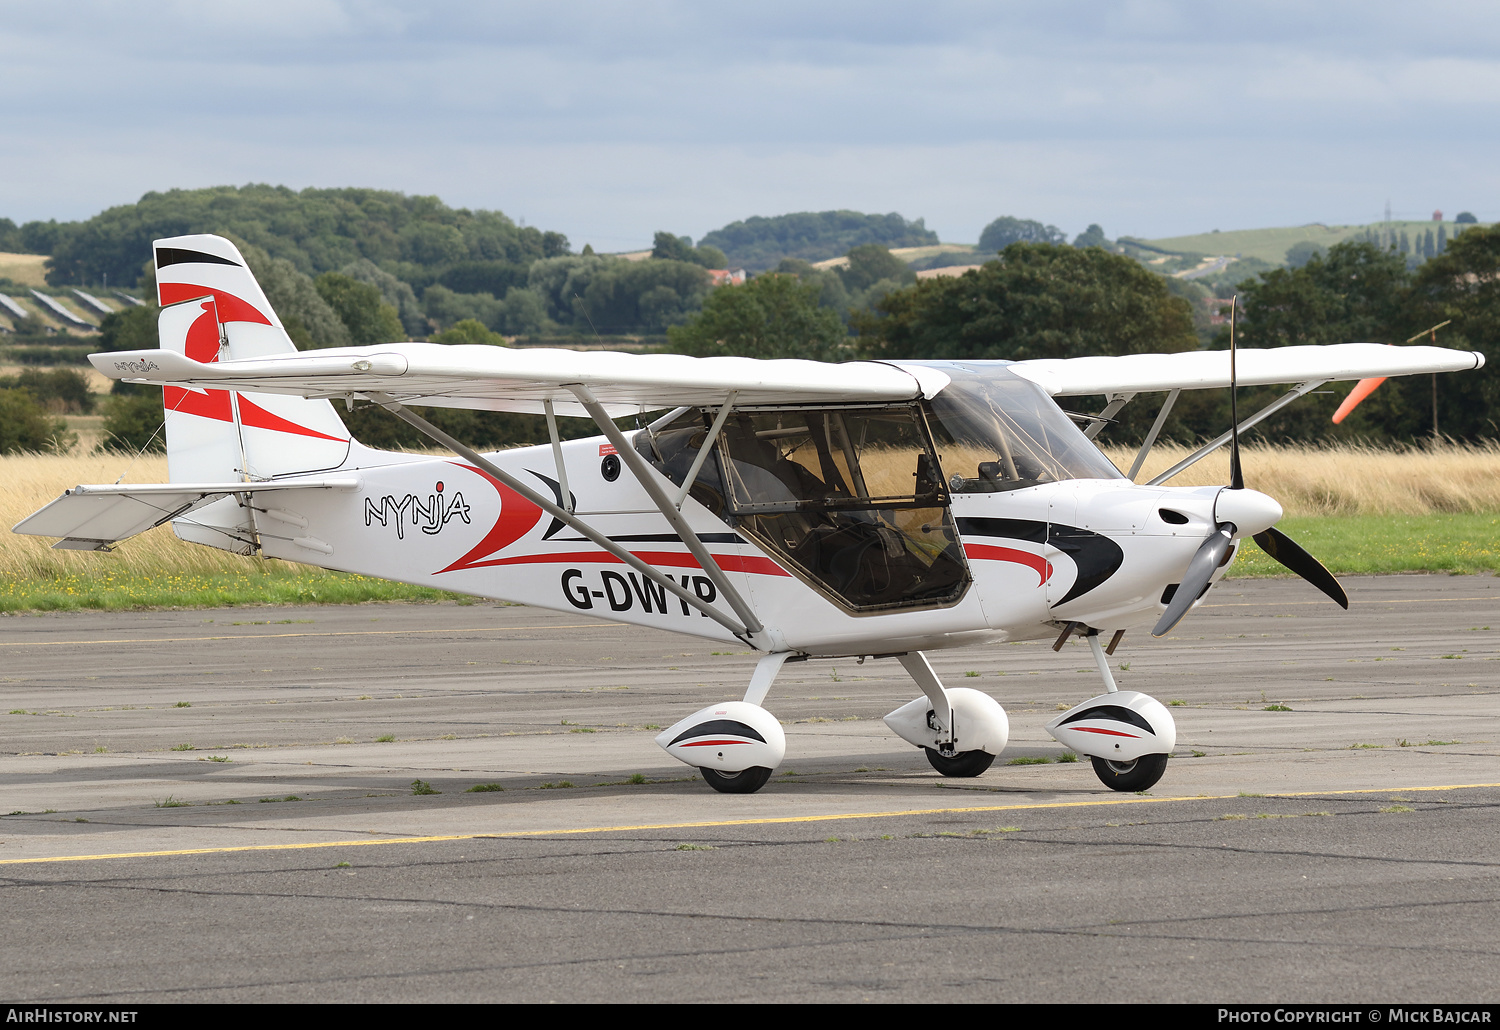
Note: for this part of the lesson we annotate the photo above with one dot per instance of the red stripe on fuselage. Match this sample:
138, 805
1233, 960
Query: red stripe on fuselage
751, 564
990, 552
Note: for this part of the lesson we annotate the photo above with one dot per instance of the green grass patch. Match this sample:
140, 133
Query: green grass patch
111, 587
1371, 544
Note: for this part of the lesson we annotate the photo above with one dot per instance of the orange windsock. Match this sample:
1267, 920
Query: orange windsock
1362, 389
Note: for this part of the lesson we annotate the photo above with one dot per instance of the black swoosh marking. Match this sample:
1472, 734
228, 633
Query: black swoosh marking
715, 727
175, 256
1097, 557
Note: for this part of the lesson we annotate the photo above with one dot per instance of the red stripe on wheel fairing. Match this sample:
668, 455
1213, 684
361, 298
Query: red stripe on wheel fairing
1107, 733
713, 743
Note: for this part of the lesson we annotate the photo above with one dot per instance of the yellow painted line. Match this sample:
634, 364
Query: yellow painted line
328, 633
779, 820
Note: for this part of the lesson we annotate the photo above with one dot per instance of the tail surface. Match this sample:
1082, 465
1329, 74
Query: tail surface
213, 308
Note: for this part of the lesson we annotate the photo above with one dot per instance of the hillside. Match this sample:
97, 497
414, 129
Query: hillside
1271, 245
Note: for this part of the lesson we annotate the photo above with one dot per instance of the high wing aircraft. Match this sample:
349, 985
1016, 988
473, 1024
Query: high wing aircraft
809, 510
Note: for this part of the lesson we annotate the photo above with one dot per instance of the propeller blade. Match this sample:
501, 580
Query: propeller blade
1210, 556
1285, 550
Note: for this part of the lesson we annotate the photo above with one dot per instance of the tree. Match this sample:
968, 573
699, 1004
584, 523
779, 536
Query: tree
317, 230
1300, 253
307, 317
680, 248
771, 316
25, 425
131, 329
133, 421
59, 390
1093, 236
469, 331
1466, 218
1005, 230
1462, 284
1040, 300
760, 243
1353, 293
360, 307
869, 263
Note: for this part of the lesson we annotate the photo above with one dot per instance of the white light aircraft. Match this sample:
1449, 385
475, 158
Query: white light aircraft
809, 510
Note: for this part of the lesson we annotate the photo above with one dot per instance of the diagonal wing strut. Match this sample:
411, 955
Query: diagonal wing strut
432, 432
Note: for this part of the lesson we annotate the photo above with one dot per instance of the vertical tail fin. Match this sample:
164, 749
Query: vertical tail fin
212, 307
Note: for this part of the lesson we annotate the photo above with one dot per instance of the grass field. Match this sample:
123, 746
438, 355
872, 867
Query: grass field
1358, 510
27, 269
1271, 244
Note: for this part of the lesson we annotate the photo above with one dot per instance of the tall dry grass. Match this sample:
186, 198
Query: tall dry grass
30, 481
1347, 480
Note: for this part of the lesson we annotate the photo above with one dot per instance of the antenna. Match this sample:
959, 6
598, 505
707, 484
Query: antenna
1236, 476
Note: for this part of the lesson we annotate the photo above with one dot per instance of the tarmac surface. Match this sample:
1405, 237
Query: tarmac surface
219, 806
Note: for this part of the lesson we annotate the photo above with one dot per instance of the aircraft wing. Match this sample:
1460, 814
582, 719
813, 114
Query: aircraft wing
1202, 370
513, 379
90, 518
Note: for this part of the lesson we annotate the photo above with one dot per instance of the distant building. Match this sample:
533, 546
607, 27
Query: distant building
727, 276
1437, 216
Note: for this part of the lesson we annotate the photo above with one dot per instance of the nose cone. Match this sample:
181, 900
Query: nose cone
1250, 510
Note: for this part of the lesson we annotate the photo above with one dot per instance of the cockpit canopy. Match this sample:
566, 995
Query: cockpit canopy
854, 499
997, 431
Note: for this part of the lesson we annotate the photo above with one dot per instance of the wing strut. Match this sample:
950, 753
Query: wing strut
643, 474
1255, 419
432, 432
703, 452
1116, 402
1161, 420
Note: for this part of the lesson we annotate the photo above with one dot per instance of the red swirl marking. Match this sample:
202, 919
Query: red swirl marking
990, 552
517, 517
252, 414
202, 345
231, 308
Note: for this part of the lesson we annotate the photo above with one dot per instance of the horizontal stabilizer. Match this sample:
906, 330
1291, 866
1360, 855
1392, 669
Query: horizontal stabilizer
90, 518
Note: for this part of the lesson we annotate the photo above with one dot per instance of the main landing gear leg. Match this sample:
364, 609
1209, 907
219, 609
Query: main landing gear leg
960, 730
737, 744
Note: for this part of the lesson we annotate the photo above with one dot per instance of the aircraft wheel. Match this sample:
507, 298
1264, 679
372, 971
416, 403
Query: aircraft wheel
747, 781
965, 763
1140, 774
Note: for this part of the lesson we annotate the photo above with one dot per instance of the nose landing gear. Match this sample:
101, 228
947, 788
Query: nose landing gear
1126, 734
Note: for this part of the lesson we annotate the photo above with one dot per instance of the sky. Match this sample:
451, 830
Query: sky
608, 121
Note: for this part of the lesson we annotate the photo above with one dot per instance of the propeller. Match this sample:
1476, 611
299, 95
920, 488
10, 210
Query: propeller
1249, 507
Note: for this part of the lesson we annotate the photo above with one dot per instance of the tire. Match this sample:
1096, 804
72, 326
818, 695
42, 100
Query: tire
965, 763
1140, 774
745, 782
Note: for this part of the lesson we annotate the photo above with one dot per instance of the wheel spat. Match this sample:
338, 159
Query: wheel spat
1286, 551
1211, 554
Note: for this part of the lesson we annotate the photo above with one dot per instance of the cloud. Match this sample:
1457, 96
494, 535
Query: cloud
618, 119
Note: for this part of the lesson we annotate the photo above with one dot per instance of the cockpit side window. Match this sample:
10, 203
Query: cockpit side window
850, 498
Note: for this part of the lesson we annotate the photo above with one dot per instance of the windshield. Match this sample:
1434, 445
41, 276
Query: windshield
997, 431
